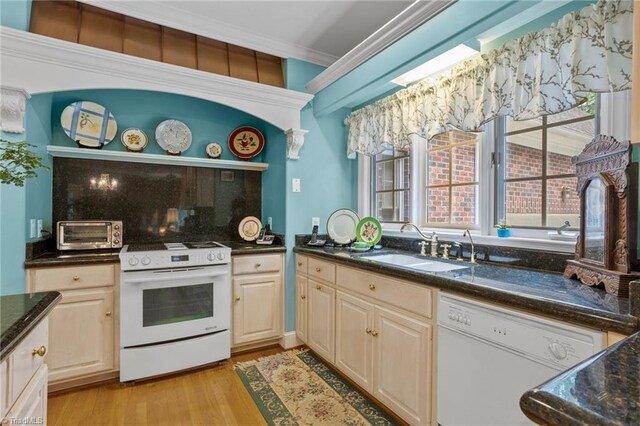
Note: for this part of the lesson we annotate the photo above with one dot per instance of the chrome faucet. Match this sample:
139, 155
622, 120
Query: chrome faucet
473, 250
433, 239
563, 227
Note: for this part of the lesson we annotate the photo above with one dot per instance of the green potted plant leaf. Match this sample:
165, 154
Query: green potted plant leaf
17, 162
504, 230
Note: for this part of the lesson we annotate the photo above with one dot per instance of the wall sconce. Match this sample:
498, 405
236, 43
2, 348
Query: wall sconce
564, 193
104, 183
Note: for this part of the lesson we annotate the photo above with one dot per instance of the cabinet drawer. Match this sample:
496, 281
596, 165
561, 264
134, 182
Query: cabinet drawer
323, 270
24, 362
301, 264
257, 264
73, 277
410, 297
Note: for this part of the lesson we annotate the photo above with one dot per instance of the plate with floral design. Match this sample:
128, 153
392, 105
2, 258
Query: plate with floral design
173, 136
246, 142
369, 230
249, 228
134, 139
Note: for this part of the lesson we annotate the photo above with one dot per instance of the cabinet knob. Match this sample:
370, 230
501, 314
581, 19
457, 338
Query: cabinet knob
258, 265
318, 269
318, 287
368, 330
76, 277
299, 263
108, 313
372, 287
303, 297
238, 299
40, 351
374, 333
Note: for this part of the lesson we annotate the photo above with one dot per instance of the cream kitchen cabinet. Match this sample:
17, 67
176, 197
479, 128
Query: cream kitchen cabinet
257, 300
84, 325
23, 379
321, 319
301, 307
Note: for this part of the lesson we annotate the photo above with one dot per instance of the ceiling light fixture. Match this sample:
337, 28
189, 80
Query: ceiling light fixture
438, 64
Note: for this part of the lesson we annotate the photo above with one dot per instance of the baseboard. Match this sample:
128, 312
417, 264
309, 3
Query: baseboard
65, 384
290, 340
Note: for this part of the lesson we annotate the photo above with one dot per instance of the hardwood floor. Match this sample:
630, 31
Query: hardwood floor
208, 396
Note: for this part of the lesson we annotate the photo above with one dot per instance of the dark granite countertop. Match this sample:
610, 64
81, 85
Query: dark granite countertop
20, 313
540, 292
603, 390
67, 258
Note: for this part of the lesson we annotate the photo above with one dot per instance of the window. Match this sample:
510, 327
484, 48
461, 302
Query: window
452, 186
536, 186
391, 172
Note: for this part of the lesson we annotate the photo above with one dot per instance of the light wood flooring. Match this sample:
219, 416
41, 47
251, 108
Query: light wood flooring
207, 396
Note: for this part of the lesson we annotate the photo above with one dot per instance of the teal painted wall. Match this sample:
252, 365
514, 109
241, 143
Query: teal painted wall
33, 200
325, 173
274, 181
15, 14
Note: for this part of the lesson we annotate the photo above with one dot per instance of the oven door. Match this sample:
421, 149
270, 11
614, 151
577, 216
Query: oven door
169, 304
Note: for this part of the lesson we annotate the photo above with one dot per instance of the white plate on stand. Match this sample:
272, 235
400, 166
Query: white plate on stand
341, 226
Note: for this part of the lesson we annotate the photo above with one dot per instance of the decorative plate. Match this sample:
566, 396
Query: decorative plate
249, 228
360, 249
213, 150
341, 226
369, 230
246, 142
173, 136
134, 139
89, 124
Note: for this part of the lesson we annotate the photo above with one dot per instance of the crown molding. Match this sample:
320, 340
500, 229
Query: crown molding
39, 64
410, 19
173, 16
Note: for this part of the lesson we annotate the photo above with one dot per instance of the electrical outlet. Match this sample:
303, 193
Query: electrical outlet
39, 228
32, 228
315, 221
295, 185
270, 222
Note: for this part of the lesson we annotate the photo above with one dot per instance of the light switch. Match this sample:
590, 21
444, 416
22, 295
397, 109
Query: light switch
295, 185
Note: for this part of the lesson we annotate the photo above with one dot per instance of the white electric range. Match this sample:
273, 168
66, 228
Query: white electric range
175, 307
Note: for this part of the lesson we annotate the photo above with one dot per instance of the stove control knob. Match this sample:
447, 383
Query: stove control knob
557, 350
146, 260
133, 261
220, 256
116, 226
211, 256
116, 234
116, 241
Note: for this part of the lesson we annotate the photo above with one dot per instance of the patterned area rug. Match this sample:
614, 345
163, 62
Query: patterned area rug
297, 388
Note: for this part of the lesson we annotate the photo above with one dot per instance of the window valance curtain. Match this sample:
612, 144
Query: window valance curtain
543, 72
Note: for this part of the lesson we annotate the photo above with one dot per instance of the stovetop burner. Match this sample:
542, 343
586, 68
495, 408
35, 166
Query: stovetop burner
202, 244
146, 247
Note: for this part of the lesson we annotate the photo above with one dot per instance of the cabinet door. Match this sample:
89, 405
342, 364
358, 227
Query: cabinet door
81, 334
402, 364
301, 307
321, 319
257, 310
354, 343
31, 406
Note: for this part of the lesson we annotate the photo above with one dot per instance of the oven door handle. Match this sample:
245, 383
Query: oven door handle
172, 277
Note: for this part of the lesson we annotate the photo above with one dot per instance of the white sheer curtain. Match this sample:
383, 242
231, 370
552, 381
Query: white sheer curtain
544, 72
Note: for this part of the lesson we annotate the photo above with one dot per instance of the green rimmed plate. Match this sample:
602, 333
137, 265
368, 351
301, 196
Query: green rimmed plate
369, 230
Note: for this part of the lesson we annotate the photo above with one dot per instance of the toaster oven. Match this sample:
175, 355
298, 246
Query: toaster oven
89, 234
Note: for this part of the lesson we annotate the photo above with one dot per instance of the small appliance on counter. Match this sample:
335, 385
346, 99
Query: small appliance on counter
89, 234
265, 238
315, 242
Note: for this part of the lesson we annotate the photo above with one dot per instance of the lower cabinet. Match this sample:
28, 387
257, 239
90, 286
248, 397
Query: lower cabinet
31, 406
257, 301
256, 311
301, 307
321, 304
84, 326
354, 343
82, 334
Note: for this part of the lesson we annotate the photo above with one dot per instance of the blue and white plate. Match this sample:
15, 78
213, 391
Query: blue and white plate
89, 124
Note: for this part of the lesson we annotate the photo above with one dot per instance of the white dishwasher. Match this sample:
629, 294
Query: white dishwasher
489, 356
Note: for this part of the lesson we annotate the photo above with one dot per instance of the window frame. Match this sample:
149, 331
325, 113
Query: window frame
614, 120
393, 190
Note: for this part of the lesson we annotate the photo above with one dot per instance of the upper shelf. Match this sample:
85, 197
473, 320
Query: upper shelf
133, 157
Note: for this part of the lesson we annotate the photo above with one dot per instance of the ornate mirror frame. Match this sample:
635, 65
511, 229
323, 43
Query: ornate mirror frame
607, 159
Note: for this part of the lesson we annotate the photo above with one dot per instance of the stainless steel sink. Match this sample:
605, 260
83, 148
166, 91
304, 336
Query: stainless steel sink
416, 263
